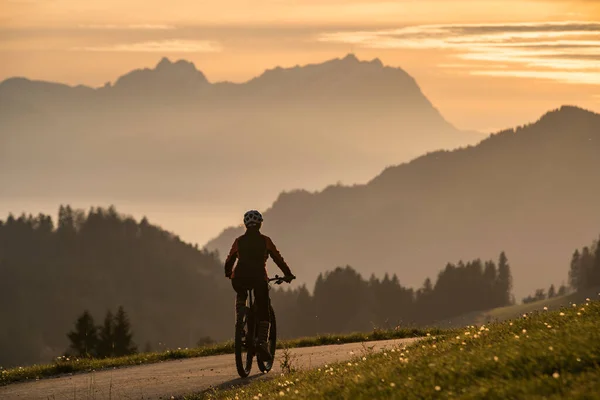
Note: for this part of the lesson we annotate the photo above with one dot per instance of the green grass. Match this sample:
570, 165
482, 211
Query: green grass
514, 311
73, 364
543, 355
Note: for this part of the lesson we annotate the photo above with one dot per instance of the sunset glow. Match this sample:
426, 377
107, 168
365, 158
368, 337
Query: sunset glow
454, 49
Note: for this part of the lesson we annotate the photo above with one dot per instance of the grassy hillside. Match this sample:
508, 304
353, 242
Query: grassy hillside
504, 313
547, 354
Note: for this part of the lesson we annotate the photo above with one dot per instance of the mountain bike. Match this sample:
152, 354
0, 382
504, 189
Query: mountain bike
246, 335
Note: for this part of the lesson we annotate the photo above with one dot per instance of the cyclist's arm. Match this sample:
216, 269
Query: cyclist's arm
231, 257
276, 256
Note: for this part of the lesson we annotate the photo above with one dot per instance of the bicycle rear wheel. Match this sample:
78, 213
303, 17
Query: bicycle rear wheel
244, 347
265, 366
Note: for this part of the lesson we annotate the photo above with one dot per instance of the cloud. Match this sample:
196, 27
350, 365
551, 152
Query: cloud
576, 77
565, 51
127, 27
159, 46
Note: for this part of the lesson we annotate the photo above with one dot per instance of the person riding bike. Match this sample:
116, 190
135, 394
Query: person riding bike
252, 251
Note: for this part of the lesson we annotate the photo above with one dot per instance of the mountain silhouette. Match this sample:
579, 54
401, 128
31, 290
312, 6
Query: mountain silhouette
530, 191
167, 77
168, 134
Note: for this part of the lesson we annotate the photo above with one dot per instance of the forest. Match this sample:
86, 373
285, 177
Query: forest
176, 294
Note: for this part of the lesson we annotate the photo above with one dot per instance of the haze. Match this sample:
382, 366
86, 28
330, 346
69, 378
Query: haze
484, 66
95, 41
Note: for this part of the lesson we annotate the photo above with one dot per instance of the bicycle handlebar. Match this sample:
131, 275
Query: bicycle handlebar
278, 279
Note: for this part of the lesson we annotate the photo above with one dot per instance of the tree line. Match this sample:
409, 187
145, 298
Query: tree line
343, 301
540, 294
111, 339
584, 271
53, 269
176, 295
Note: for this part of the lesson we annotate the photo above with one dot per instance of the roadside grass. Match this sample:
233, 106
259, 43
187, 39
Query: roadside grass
70, 365
541, 355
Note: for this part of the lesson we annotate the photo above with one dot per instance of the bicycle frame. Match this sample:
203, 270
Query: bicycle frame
248, 340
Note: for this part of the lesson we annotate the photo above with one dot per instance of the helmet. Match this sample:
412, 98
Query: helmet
252, 217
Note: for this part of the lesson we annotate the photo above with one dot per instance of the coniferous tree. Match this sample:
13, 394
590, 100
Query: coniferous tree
594, 276
106, 336
489, 277
562, 290
123, 343
84, 339
586, 264
504, 281
424, 299
540, 295
575, 278
551, 291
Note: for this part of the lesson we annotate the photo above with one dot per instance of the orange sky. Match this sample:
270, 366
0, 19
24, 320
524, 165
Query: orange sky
498, 74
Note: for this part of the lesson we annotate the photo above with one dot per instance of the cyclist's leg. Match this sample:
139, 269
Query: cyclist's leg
241, 295
261, 294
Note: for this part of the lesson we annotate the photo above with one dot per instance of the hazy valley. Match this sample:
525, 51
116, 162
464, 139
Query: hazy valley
161, 139
192, 155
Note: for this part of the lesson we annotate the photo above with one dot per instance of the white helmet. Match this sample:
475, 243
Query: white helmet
252, 217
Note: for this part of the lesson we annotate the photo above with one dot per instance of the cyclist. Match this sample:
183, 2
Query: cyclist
252, 250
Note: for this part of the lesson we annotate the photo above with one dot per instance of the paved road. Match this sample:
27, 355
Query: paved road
174, 378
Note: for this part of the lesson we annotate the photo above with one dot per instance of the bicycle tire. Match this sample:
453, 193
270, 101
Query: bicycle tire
265, 366
244, 350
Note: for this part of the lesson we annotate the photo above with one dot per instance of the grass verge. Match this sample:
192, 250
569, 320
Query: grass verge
72, 365
542, 355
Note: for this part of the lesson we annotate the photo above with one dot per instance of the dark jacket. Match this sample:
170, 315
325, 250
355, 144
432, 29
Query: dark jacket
252, 250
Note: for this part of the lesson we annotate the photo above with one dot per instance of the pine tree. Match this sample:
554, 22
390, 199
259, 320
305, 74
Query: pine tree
504, 282
489, 280
575, 278
123, 343
539, 295
84, 339
106, 339
562, 290
424, 301
594, 277
586, 263
551, 291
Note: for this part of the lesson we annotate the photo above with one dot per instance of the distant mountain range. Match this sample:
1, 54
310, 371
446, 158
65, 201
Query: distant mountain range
532, 191
168, 133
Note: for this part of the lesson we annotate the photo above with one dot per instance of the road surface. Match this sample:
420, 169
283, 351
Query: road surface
177, 377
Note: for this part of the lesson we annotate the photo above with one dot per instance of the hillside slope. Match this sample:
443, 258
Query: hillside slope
529, 191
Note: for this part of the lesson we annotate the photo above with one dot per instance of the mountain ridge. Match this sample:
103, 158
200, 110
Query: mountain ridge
166, 65
179, 138
442, 206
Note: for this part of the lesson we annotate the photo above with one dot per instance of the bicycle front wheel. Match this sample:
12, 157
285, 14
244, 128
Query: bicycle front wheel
265, 366
244, 348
